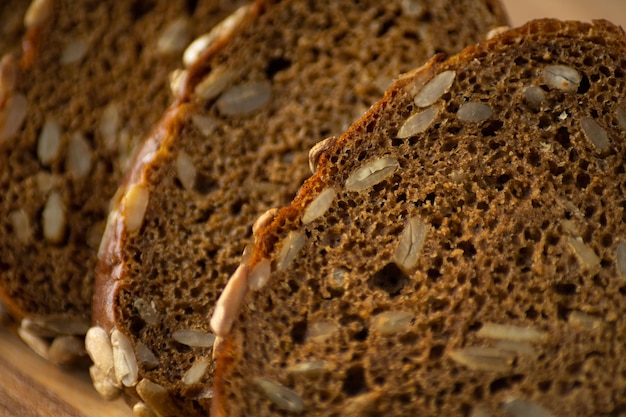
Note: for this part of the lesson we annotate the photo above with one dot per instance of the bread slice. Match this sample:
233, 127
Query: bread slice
11, 24
235, 146
92, 78
461, 250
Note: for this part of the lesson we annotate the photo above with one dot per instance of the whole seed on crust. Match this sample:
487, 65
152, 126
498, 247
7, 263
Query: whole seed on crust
264, 220
175, 37
79, 156
143, 410
510, 332
156, 396
474, 112
390, 323
371, 174
220, 31
318, 207
109, 125
517, 407
49, 142
417, 123
195, 373
289, 250
206, 125
66, 350
74, 51
21, 225
496, 32
484, 358
185, 170
620, 255
124, 360
245, 98
229, 302
317, 150
64, 325
259, 275
410, 243
100, 350
53, 218
134, 206
282, 397
562, 77
595, 133
12, 116
38, 344
103, 385
584, 253
177, 81
38, 12
194, 338
214, 83
434, 89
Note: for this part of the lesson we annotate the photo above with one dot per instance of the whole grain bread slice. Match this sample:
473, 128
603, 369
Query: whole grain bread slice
233, 147
460, 251
91, 79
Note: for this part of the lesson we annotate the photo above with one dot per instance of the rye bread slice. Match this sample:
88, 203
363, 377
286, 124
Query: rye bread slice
233, 147
461, 250
92, 78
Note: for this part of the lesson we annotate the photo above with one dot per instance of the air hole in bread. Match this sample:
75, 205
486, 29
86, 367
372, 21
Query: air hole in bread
389, 279
354, 382
584, 85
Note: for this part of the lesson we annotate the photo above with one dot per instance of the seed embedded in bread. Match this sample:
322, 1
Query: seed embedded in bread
371, 174
259, 275
194, 338
49, 143
562, 77
392, 322
474, 112
79, 156
518, 407
291, 246
434, 89
510, 332
194, 374
53, 218
318, 207
175, 36
410, 243
484, 358
282, 397
21, 225
12, 116
584, 253
74, 51
595, 133
245, 98
185, 170
417, 123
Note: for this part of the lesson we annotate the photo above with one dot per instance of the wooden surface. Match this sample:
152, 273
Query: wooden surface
29, 386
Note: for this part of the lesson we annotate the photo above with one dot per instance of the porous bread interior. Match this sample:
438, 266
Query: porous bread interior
325, 61
11, 24
121, 67
500, 199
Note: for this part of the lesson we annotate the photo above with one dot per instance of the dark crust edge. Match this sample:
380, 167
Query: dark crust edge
230, 350
110, 268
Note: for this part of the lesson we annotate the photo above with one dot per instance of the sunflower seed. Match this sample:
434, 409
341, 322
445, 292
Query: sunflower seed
157, 398
109, 125
417, 123
195, 373
100, 350
517, 407
291, 246
308, 369
371, 174
79, 156
143, 410
519, 348
535, 97
34, 325
220, 31
66, 350
562, 77
584, 253
264, 220
337, 278
175, 37
185, 170
319, 331
584, 320
38, 344
53, 218
194, 338
229, 302
318, 207
103, 385
478, 411
74, 51
177, 80
434, 89
245, 98
38, 12
474, 112
390, 323
12, 116
216, 347
282, 397
49, 142
410, 243
317, 150
259, 275
620, 255
146, 311
145, 356
484, 358
496, 32
64, 325
412, 8
215, 83
595, 133
21, 225
206, 125
136, 203
621, 117
512, 333
124, 361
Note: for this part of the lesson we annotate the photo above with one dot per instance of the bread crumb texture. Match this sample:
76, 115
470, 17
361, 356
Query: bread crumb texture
478, 267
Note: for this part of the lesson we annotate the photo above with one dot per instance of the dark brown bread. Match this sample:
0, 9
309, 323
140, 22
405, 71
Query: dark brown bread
92, 78
461, 250
11, 24
235, 146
